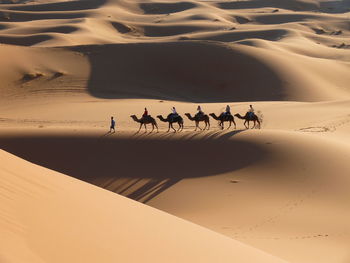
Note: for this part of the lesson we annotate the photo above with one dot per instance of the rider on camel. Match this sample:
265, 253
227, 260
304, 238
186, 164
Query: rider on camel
200, 112
145, 114
228, 110
251, 111
174, 113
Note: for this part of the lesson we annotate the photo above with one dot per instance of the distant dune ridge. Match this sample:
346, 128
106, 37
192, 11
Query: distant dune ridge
278, 194
296, 50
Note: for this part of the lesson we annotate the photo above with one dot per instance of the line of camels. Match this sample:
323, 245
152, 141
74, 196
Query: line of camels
222, 118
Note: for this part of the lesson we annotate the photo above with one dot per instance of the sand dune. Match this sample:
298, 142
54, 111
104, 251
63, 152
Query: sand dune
279, 193
258, 40
200, 72
287, 174
106, 228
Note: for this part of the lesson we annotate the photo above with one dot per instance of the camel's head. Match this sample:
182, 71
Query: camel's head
133, 116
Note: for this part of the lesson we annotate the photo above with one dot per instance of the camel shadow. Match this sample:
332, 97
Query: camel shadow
216, 134
140, 168
230, 134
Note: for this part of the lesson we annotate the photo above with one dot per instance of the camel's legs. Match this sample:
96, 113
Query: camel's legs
179, 126
257, 124
156, 126
168, 127
234, 123
230, 123
140, 127
245, 124
145, 127
171, 125
152, 127
253, 124
197, 125
208, 125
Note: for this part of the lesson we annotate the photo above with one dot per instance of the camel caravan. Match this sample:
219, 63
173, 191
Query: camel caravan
200, 116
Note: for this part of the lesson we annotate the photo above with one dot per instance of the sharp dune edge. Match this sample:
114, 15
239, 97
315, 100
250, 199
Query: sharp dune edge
278, 194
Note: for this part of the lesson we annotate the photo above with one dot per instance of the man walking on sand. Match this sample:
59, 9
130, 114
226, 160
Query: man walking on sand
112, 125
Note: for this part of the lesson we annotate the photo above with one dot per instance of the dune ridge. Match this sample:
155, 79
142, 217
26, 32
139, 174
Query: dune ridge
259, 40
201, 72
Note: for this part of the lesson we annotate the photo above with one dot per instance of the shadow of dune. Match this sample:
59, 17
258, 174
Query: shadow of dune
48, 11
60, 29
284, 18
25, 40
173, 30
291, 5
18, 16
337, 6
140, 168
166, 8
59, 6
271, 35
121, 28
193, 71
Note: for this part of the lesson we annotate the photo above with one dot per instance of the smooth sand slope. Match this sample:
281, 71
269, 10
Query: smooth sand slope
67, 66
275, 190
49, 217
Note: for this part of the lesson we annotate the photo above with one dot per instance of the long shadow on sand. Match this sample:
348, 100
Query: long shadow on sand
139, 168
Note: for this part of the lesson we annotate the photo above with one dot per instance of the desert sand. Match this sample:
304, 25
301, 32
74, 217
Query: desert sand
71, 191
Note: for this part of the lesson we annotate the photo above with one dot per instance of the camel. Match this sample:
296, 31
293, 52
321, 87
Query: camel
247, 117
198, 118
171, 120
144, 121
223, 118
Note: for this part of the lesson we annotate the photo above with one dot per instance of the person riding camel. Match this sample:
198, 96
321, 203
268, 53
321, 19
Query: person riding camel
200, 112
145, 113
228, 110
174, 113
250, 111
